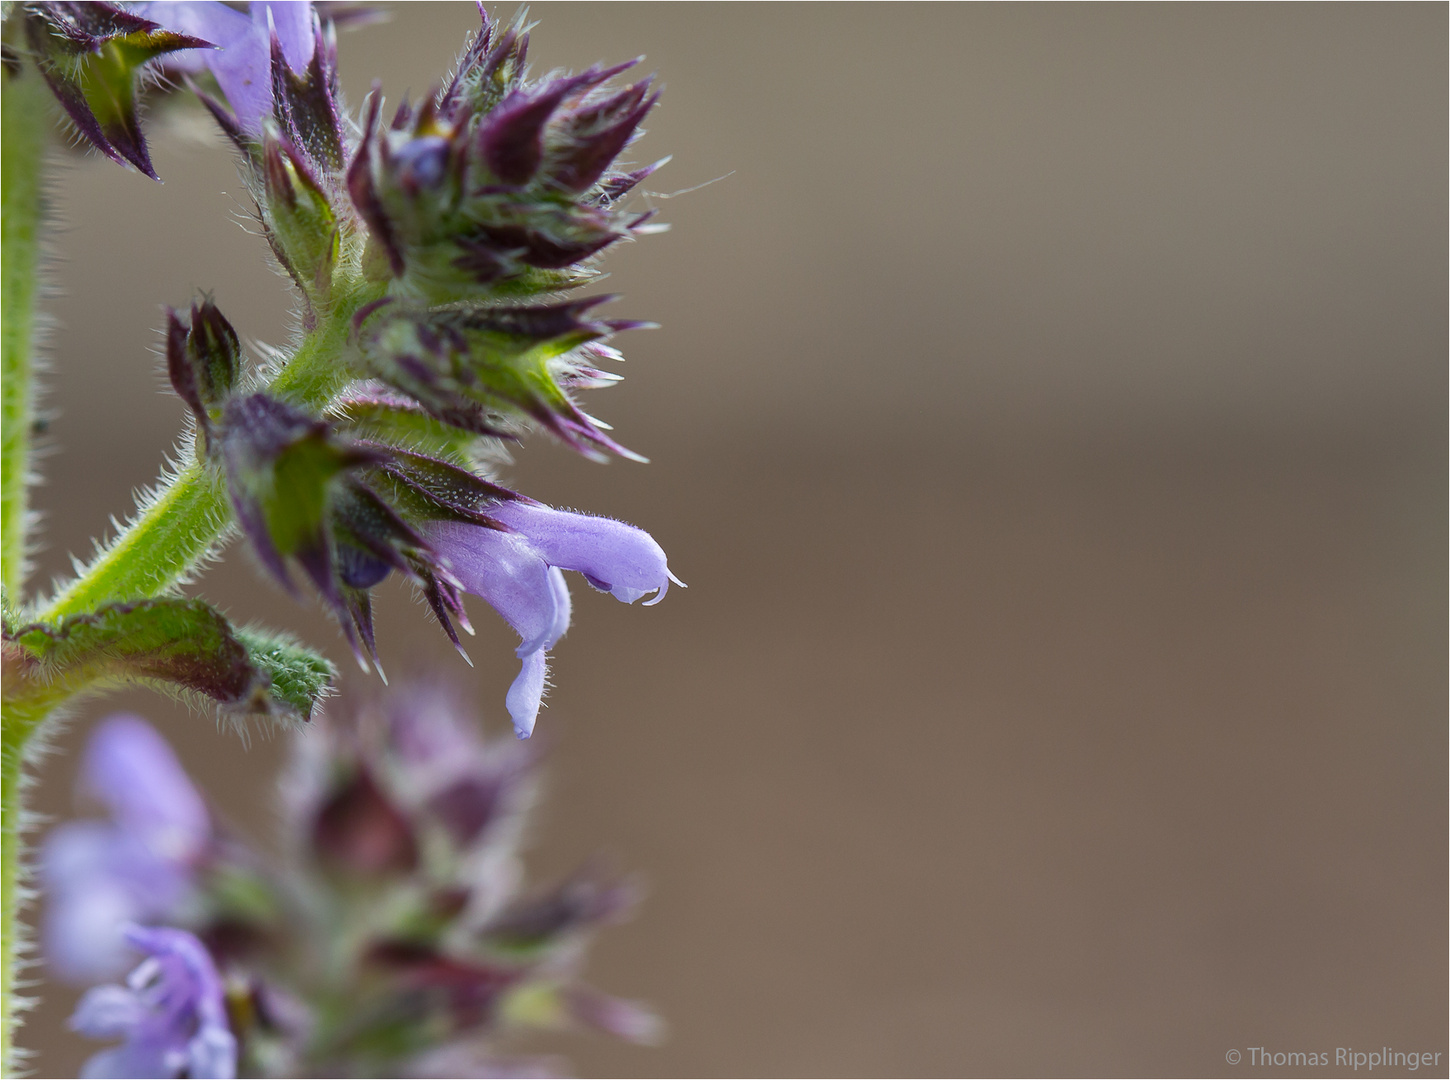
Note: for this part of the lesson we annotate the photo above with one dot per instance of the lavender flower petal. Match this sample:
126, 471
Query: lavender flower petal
242, 61
526, 694
519, 574
172, 1013
531, 596
128, 1061
512, 576
96, 878
615, 557
292, 19
130, 768
209, 20
107, 1012
100, 875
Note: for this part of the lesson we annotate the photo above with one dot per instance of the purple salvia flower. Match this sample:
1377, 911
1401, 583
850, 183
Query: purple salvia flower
101, 875
171, 1013
131, 768
616, 558
96, 878
242, 63
518, 573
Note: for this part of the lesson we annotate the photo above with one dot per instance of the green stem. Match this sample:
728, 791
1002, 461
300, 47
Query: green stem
22, 720
23, 135
181, 525
24, 132
160, 546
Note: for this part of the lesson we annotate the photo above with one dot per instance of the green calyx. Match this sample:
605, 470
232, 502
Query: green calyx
300, 219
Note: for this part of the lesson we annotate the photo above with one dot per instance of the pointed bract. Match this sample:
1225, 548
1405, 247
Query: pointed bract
280, 466
502, 360
93, 57
299, 217
304, 100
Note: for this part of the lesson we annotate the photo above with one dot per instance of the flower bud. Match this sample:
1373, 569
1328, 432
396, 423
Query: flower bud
497, 186
359, 830
203, 360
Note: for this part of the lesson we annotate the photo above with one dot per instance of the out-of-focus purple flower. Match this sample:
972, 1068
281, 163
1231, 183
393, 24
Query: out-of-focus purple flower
242, 61
518, 573
132, 770
171, 1013
100, 875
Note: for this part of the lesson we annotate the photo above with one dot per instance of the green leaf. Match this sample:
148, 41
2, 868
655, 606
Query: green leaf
184, 646
300, 677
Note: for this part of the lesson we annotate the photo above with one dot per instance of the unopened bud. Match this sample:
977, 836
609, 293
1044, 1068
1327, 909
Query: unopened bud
203, 360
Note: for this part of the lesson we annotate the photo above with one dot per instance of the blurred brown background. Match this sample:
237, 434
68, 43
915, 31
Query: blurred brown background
1049, 420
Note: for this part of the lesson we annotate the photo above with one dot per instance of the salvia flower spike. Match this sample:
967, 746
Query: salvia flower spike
401, 865
451, 235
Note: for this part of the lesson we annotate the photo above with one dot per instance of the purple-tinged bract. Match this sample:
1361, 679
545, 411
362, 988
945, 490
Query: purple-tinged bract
482, 367
95, 57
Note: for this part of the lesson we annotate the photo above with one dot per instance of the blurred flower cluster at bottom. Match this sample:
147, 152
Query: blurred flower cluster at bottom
392, 935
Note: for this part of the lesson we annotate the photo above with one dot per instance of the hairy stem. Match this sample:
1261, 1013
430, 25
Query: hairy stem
24, 132
159, 547
178, 528
23, 136
22, 720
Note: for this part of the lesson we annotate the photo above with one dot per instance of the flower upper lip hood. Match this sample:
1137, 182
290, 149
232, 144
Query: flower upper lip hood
518, 571
615, 558
130, 768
